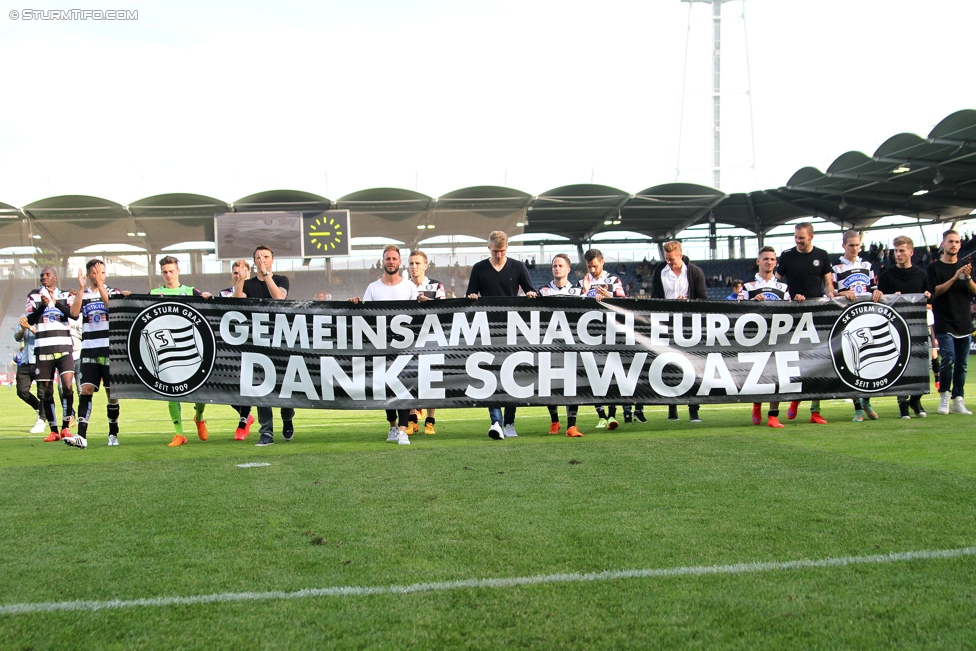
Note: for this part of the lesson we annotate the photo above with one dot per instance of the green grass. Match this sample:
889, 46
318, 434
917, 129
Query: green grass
338, 506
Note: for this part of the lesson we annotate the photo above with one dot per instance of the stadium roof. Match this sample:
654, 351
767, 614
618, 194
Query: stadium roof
927, 180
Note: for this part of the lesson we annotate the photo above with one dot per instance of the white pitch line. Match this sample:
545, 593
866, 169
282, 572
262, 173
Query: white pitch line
575, 577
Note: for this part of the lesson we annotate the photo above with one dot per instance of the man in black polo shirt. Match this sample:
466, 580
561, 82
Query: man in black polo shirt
952, 294
499, 276
267, 285
808, 275
905, 278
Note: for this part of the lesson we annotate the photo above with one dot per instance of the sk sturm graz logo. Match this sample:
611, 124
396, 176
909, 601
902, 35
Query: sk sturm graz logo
172, 348
870, 346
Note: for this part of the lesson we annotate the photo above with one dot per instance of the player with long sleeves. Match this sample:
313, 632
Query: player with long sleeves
169, 268
499, 275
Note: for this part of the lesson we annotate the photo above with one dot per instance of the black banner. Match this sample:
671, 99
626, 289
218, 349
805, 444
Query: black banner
516, 351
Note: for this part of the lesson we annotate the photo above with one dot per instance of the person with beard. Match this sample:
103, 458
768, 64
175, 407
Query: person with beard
599, 284
905, 278
273, 286
808, 275
392, 287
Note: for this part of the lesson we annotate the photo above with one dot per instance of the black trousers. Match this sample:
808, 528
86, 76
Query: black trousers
25, 375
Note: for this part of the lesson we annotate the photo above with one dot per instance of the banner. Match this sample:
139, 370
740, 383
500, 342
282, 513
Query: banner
514, 351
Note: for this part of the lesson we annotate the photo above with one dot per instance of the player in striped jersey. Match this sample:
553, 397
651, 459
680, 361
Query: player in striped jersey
429, 289
240, 272
854, 277
91, 305
47, 309
560, 286
599, 284
169, 268
765, 288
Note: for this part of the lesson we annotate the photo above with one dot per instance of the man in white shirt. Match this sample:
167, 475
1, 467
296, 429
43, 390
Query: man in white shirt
392, 287
677, 278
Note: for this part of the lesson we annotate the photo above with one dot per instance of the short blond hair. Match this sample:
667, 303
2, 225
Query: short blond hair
498, 238
418, 252
673, 245
850, 235
904, 240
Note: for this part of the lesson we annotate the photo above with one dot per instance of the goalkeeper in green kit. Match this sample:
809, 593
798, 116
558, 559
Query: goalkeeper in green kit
169, 268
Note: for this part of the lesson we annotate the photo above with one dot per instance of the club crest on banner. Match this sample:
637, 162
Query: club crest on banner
870, 346
172, 348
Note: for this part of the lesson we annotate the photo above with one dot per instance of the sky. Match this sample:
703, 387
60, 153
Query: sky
227, 99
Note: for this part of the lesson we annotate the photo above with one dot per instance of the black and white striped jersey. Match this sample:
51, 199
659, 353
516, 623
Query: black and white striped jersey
612, 283
771, 290
51, 322
431, 288
94, 322
856, 275
568, 290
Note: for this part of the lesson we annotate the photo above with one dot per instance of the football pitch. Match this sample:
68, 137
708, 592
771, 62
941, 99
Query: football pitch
658, 535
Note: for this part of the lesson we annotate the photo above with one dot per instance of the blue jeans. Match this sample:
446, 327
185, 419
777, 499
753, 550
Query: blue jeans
495, 413
954, 352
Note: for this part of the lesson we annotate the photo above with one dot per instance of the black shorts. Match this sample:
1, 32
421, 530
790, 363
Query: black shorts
95, 371
45, 368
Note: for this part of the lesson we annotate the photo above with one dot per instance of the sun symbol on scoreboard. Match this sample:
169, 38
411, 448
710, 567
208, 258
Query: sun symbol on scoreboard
325, 234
